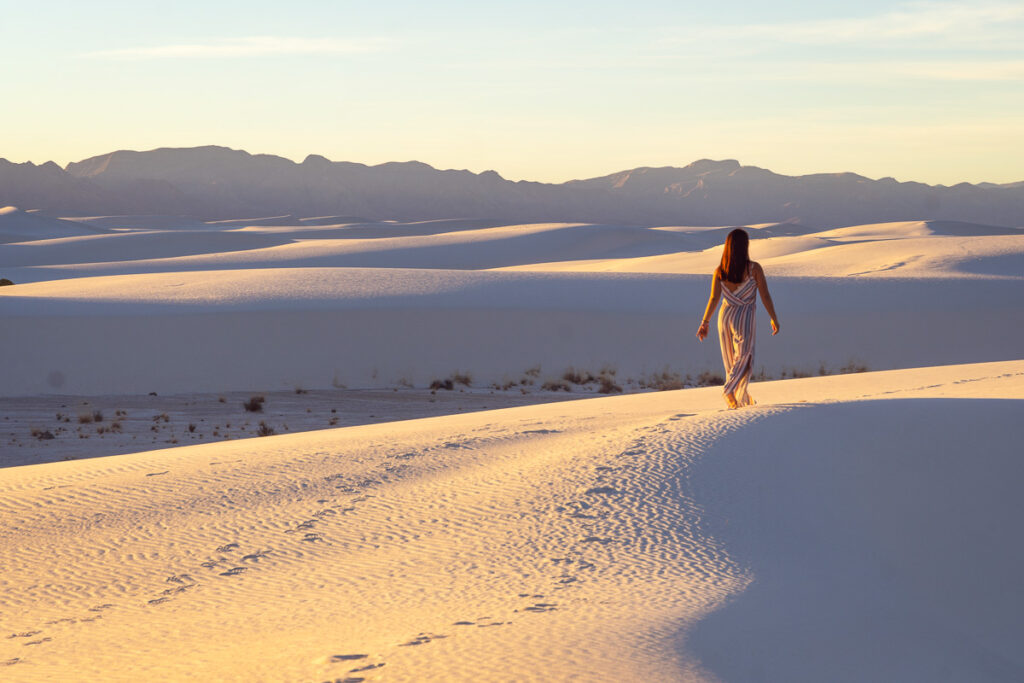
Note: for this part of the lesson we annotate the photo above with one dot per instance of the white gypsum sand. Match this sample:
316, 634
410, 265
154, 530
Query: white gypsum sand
378, 305
850, 529
53, 428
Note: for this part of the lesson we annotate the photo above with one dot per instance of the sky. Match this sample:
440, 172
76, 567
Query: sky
547, 91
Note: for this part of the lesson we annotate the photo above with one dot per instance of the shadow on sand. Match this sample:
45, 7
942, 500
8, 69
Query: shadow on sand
881, 539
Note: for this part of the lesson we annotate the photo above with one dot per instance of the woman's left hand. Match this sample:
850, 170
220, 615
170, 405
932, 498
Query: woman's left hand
702, 331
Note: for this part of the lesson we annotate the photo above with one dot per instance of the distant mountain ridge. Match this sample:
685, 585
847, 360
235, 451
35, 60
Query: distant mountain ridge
217, 182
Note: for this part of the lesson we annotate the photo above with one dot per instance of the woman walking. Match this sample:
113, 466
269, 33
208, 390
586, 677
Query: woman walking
738, 279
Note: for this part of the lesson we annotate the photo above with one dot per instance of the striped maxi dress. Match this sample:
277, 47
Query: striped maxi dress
736, 332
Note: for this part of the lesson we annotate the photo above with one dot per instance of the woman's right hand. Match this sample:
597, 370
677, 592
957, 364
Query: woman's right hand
702, 331
775, 327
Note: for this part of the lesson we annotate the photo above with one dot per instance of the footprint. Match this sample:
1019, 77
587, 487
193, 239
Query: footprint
158, 601
422, 639
542, 607
596, 539
41, 640
234, 571
179, 578
227, 548
258, 555
312, 538
157, 474
602, 489
24, 634
464, 623
100, 608
368, 667
347, 658
11, 662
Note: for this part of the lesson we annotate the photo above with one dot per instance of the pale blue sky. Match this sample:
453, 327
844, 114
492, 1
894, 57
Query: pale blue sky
928, 91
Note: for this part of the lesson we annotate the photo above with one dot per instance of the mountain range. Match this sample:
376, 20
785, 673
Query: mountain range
217, 183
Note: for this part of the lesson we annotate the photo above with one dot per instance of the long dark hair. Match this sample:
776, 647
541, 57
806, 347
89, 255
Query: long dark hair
735, 257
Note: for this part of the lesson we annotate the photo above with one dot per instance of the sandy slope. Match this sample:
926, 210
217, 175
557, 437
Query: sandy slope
23, 226
854, 527
851, 528
917, 249
224, 307
240, 330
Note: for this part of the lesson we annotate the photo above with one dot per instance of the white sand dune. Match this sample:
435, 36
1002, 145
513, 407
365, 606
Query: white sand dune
271, 329
853, 527
857, 527
178, 311
27, 226
142, 222
920, 249
128, 247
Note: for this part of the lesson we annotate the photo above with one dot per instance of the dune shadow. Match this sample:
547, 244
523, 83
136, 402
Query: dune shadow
880, 539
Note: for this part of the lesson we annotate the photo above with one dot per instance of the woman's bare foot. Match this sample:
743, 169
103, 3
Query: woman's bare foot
731, 400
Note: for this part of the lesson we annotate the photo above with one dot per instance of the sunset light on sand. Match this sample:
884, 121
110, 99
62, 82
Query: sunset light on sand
512, 342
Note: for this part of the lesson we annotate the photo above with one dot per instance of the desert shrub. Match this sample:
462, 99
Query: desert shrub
663, 381
463, 378
300, 390
709, 379
852, 367
85, 418
42, 434
4, 282
162, 416
445, 384
556, 385
221, 399
254, 404
115, 426
573, 376
265, 429
607, 385
97, 416
530, 376
191, 427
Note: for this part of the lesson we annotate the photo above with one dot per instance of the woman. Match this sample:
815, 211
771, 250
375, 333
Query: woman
739, 279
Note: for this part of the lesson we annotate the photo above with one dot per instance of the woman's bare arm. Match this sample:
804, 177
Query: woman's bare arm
716, 294
762, 287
